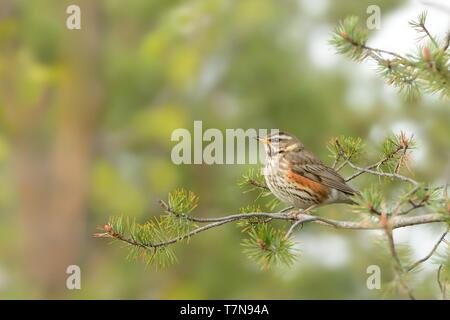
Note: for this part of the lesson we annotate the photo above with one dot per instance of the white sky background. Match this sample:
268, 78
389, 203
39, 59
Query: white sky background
395, 35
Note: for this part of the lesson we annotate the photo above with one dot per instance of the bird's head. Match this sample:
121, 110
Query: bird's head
280, 142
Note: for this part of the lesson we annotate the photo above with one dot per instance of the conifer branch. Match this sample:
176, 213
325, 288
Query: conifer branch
361, 170
425, 70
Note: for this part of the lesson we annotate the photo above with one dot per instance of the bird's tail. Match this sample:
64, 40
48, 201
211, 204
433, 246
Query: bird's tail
351, 201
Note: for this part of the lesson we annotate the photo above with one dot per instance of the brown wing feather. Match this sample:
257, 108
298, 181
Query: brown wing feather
309, 166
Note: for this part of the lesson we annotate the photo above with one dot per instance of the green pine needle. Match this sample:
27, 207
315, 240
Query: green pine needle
349, 38
267, 246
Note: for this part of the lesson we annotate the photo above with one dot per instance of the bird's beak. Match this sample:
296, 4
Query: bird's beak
262, 140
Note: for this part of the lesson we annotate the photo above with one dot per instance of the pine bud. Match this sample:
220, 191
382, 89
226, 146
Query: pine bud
426, 54
345, 35
107, 228
262, 245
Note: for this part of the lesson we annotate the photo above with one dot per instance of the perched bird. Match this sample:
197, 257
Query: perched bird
298, 177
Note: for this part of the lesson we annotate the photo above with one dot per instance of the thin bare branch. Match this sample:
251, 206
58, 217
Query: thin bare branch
374, 52
385, 174
447, 42
442, 286
428, 256
381, 51
421, 25
370, 169
398, 268
292, 228
392, 248
336, 161
413, 207
396, 222
341, 166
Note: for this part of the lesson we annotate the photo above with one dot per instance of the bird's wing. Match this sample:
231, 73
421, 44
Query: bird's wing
308, 166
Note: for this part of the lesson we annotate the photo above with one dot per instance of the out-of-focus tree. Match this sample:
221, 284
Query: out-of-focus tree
51, 99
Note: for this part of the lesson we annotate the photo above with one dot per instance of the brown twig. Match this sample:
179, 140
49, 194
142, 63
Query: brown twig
373, 50
398, 268
292, 228
425, 29
385, 174
447, 42
442, 286
413, 207
396, 222
428, 256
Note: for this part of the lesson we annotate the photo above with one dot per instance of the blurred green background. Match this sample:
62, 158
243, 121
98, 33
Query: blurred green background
86, 118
